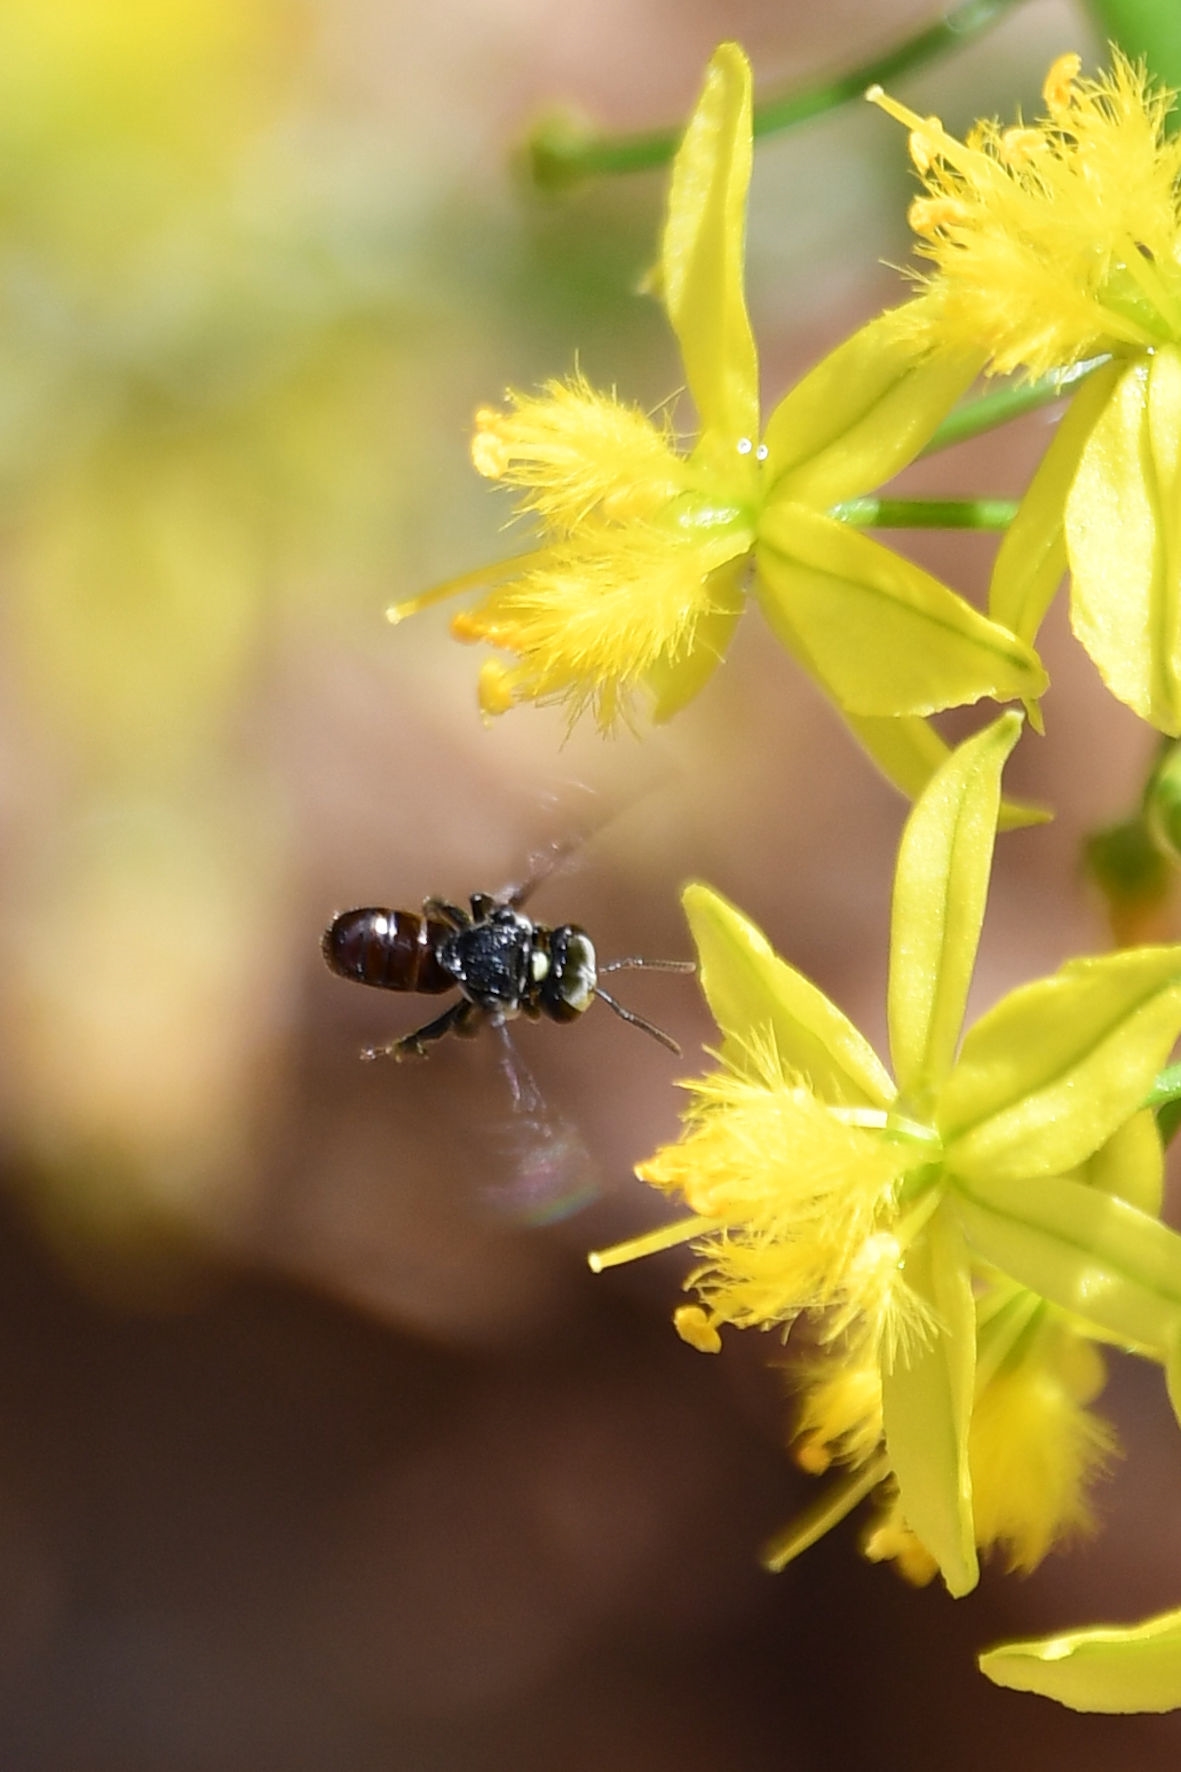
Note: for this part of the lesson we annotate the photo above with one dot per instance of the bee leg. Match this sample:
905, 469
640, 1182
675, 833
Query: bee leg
469, 1020
414, 1045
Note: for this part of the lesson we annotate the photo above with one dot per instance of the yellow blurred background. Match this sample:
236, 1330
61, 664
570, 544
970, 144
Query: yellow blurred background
319, 1445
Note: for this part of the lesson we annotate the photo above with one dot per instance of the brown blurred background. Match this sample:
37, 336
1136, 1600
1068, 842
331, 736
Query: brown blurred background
319, 1445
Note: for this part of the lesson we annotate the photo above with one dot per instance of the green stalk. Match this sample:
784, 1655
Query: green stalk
1164, 1098
1013, 400
926, 513
560, 153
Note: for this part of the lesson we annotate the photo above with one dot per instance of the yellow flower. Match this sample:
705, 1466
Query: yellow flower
1052, 243
632, 584
1034, 1448
647, 541
810, 1205
1055, 241
817, 1185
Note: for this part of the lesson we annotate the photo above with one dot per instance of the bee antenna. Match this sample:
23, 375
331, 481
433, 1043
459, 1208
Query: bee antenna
638, 1021
634, 960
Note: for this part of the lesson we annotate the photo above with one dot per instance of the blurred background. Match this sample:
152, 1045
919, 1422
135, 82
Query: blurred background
320, 1447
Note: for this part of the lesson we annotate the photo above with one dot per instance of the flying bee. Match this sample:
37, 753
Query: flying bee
502, 963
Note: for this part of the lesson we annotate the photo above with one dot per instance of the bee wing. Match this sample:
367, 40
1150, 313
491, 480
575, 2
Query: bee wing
548, 1172
541, 1169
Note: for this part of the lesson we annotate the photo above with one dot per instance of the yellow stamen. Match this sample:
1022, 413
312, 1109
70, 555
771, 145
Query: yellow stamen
491, 455
810, 1526
495, 687
465, 581
812, 1455
698, 1328
927, 140
650, 1244
1019, 146
924, 144
894, 1542
1059, 87
927, 215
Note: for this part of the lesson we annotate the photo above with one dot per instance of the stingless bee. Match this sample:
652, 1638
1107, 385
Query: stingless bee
502, 963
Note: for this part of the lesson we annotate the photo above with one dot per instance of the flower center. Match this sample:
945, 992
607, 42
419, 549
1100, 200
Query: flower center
1147, 293
706, 516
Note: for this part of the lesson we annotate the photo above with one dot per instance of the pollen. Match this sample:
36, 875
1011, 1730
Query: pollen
893, 1541
925, 143
491, 456
464, 629
1060, 85
495, 688
927, 215
697, 1328
1020, 146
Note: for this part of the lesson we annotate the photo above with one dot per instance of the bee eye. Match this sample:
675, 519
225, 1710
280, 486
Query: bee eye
576, 980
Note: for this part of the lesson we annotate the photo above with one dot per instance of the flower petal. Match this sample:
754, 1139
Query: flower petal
907, 750
1051, 1072
880, 634
1123, 536
702, 253
1106, 1668
864, 412
1131, 1164
940, 888
752, 993
927, 1407
674, 681
1031, 560
1084, 1250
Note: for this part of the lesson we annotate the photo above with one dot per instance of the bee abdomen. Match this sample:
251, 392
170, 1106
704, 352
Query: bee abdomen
393, 950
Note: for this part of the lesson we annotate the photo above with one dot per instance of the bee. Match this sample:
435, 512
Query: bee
502, 963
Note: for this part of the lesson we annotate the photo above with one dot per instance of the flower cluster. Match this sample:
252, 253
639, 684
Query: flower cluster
929, 1224
963, 1233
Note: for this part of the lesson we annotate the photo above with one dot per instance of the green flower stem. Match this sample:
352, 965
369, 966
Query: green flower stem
1144, 29
1134, 862
1164, 1098
926, 513
559, 153
1012, 401
1166, 1088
